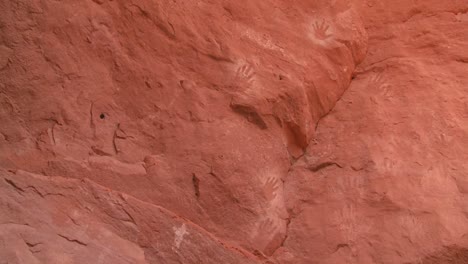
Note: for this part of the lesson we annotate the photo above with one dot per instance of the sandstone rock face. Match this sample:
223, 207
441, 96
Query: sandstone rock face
234, 131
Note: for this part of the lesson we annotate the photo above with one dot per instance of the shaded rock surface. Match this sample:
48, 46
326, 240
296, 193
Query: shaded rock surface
233, 131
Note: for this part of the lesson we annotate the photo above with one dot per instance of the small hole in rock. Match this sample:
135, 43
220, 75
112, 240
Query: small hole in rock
102, 116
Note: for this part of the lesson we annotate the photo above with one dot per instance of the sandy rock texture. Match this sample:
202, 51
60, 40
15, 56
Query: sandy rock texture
278, 131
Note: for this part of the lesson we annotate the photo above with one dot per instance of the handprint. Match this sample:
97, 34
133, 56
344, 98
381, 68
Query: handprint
269, 235
347, 216
351, 223
245, 74
270, 188
321, 30
412, 227
266, 229
378, 82
267, 226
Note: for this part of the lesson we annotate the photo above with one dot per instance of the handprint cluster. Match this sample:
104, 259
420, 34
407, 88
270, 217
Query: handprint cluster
271, 229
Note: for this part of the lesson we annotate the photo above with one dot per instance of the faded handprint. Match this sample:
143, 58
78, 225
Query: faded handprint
413, 227
348, 184
347, 216
269, 235
267, 226
270, 188
347, 221
266, 229
320, 30
377, 81
245, 74
351, 223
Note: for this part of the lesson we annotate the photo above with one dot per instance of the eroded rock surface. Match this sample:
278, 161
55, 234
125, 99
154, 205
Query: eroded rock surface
233, 131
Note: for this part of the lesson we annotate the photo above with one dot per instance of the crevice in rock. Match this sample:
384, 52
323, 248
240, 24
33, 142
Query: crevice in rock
316, 167
462, 60
130, 217
32, 247
196, 185
21, 190
339, 246
114, 137
165, 27
250, 114
100, 152
336, 102
17, 188
323, 165
91, 120
72, 240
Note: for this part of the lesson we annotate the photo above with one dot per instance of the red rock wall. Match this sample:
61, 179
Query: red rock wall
233, 131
